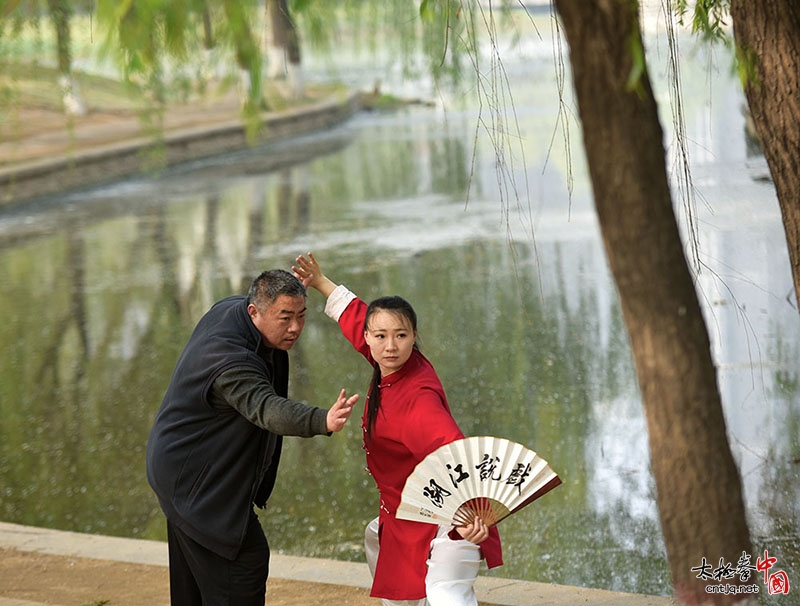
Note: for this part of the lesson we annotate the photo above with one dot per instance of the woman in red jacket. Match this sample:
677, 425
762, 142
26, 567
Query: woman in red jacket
406, 417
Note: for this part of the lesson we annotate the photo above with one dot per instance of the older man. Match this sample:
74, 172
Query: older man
214, 447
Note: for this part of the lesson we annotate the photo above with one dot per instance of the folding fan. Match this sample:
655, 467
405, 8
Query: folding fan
481, 476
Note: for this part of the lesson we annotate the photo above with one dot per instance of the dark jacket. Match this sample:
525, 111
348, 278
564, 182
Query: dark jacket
208, 463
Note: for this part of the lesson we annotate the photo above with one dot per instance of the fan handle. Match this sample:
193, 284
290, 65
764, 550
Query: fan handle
489, 510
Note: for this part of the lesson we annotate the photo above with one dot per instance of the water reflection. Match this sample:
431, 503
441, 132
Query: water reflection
102, 288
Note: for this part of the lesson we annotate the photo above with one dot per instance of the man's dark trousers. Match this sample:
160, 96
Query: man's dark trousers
200, 577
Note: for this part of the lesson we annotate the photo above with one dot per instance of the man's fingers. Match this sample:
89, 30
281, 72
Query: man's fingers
344, 402
341, 410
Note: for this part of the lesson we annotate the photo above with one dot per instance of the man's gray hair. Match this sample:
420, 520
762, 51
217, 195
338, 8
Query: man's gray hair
271, 284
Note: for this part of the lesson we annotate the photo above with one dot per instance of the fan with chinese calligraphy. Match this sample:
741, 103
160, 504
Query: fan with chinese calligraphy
480, 476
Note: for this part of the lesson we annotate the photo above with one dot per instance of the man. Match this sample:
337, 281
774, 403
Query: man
214, 447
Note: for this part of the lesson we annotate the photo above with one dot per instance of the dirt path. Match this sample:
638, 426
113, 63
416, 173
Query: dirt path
71, 581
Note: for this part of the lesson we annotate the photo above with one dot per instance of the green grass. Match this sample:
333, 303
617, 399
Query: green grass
36, 86
29, 79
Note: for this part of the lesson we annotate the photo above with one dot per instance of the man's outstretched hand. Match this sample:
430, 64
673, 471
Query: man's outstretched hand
340, 411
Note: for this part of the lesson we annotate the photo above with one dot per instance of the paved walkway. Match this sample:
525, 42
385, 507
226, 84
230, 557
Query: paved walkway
491, 590
42, 153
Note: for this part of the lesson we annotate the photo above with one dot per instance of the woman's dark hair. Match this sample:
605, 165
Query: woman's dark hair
401, 307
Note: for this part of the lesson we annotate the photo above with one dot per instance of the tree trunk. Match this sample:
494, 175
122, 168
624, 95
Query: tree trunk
60, 13
697, 483
276, 41
284, 46
248, 55
768, 33
208, 29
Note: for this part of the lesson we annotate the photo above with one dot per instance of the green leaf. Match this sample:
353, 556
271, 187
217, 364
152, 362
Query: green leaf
638, 65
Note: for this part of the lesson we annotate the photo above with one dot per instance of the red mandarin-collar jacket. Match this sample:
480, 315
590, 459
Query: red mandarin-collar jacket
414, 420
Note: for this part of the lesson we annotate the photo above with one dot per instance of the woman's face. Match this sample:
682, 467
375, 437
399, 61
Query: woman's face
390, 339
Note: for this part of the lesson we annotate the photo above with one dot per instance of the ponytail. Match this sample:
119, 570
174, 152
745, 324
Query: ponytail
373, 399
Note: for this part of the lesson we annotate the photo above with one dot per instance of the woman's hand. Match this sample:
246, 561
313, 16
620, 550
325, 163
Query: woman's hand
308, 271
476, 532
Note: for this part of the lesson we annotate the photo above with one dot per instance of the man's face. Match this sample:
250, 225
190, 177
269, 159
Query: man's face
281, 323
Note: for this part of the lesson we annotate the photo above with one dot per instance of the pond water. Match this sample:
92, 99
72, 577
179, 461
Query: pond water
517, 312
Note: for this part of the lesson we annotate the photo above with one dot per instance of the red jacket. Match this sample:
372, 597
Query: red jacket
414, 420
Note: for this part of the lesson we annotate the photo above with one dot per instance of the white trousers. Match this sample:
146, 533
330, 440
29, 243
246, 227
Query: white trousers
452, 569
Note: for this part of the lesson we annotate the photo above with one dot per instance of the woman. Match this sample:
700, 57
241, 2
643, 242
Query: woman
406, 417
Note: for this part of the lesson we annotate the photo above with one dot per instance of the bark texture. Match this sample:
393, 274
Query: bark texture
698, 486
